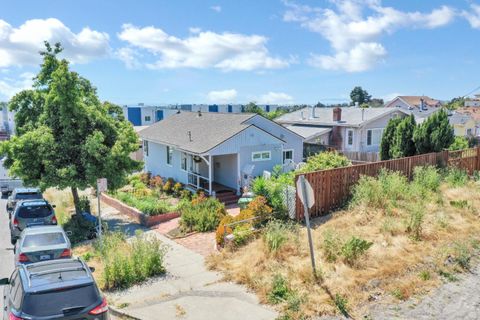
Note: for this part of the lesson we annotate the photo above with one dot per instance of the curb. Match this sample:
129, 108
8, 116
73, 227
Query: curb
122, 314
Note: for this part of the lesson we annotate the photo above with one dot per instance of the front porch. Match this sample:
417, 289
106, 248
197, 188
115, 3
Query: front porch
215, 175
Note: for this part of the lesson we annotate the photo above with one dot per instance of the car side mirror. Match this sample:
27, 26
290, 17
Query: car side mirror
54, 205
92, 269
4, 282
69, 233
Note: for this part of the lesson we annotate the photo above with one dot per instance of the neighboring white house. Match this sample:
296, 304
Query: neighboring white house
144, 115
345, 129
205, 150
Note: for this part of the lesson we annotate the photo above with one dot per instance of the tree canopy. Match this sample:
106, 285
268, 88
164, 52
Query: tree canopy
65, 136
402, 142
388, 137
434, 134
359, 95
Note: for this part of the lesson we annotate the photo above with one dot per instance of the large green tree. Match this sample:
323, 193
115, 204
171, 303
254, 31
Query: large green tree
65, 136
402, 142
388, 137
359, 95
434, 134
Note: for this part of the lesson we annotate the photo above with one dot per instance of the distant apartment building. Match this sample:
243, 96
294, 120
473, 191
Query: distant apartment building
145, 115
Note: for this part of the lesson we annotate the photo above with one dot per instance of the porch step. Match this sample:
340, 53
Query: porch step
227, 197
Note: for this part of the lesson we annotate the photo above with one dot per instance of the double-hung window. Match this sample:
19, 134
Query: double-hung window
169, 155
287, 155
184, 161
349, 137
374, 137
261, 156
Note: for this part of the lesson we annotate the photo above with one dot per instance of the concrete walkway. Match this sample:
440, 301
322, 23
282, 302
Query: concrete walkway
188, 291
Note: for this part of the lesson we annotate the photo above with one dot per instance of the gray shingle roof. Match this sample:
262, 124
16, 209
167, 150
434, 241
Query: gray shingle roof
459, 118
309, 132
207, 131
351, 116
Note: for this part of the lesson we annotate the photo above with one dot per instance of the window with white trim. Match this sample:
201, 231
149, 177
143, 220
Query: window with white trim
261, 156
374, 137
184, 161
350, 137
148, 118
145, 147
287, 155
169, 155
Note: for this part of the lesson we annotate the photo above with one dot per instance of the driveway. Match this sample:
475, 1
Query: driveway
188, 291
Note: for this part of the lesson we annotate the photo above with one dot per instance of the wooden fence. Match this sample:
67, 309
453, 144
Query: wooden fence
332, 188
357, 156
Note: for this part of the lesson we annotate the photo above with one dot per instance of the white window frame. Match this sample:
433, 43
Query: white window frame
283, 154
169, 156
183, 161
371, 139
261, 153
353, 137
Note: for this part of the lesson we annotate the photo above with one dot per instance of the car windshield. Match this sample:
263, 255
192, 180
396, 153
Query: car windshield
43, 239
60, 301
28, 195
34, 211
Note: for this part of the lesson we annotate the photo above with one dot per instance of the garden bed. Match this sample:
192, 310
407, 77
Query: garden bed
144, 219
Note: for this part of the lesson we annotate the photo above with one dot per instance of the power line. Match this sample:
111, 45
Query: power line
476, 89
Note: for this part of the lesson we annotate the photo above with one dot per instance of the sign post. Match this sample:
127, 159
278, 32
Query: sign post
305, 193
101, 187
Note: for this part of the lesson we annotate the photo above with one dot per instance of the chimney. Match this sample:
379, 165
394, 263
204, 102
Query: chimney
302, 114
189, 136
337, 114
312, 112
422, 104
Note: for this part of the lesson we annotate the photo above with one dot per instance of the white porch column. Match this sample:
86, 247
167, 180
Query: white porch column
210, 175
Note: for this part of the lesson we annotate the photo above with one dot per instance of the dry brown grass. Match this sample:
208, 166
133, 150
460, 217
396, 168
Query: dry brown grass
390, 269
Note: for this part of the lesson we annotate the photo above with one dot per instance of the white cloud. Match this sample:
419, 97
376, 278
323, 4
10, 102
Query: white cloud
207, 49
473, 16
275, 98
195, 30
223, 96
129, 56
354, 27
20, 46
9, 87
362, 57
216, 8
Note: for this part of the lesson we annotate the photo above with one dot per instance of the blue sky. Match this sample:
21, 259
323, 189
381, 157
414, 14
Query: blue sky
239, 51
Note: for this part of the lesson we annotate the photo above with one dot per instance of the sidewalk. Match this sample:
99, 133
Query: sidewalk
187, 291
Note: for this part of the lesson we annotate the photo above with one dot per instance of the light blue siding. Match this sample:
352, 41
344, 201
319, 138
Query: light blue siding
225, 170
156, 162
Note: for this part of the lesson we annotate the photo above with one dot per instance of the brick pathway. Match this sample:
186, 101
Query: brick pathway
167, 226
202, 243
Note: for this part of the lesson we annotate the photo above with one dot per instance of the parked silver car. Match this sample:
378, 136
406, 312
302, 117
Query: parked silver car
42, 243
30, 213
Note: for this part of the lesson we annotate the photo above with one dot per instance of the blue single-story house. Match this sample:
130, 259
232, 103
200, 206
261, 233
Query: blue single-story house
207, 150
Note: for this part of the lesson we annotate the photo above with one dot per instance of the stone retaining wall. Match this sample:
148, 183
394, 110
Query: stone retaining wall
138, 216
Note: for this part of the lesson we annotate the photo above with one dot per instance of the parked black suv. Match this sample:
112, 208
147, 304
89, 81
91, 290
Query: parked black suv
55, 289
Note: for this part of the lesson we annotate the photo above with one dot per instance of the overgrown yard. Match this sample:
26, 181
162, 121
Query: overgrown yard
395, 240
120, 263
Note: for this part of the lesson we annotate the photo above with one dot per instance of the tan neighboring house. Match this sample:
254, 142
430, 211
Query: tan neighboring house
420, 106
471, 121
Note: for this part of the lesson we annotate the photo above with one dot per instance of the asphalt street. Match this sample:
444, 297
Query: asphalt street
6, 252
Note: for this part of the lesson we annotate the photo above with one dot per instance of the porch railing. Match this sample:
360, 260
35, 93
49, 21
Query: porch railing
197, 181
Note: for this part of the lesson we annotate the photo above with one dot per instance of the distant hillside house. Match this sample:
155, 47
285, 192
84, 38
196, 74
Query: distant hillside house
345, 129
473, 102
211, 151
463, 124
420, 106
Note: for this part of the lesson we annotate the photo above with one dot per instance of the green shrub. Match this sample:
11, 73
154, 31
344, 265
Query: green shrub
415, 221
460, 143
425, 275
428, 178
84, 204
460, 204
341, 303
201, 214
272, 190
456, 177
279, 291
242, 233
462, 255
128, 263
177, 189
168, 186
149, 205
332, 245
353, 248
323, 161
277, 233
